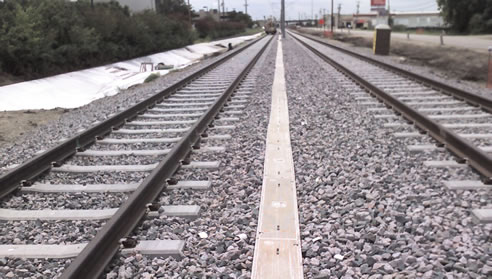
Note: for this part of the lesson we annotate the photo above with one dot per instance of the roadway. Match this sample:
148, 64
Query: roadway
479, 43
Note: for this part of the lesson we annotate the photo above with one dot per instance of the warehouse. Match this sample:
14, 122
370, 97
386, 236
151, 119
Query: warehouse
406, 19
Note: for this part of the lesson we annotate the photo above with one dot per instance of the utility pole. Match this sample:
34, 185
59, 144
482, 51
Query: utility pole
189, 13
246, 6
223, 10
218, 7
338, 19
282, 19
354, 23
389, 13
332, 20
92, 4
324, 19
312, 10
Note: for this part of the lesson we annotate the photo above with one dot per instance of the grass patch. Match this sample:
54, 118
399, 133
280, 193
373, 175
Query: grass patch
248, 32
202, 40
152, 77
251, 31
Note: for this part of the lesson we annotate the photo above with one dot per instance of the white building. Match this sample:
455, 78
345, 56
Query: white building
135, 6
418, 19
411, 20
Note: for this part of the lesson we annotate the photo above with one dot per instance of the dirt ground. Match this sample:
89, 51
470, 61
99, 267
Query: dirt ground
15, 123
461, 64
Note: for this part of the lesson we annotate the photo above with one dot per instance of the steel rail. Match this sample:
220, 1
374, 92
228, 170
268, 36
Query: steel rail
98, 253
469, 97
42, 163
459, 146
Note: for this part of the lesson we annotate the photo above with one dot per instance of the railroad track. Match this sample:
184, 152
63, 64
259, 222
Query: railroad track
103, 182
457, 121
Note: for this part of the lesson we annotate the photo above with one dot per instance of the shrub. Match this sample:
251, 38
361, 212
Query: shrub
208, 27
399, 28
476, 24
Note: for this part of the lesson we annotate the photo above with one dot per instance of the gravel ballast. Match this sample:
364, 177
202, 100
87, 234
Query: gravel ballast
368, 207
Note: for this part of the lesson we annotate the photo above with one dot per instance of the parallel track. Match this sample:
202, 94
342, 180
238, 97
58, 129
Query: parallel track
420, 100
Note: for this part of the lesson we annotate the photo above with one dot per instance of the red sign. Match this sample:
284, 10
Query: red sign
378, 2
321, 22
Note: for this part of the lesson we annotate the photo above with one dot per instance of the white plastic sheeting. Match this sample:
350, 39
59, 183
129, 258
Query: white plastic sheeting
76, 89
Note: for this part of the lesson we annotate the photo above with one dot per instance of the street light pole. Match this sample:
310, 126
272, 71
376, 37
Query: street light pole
282, 19
189, 13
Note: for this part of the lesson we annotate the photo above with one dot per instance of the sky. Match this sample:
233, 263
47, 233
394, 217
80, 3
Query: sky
260, 8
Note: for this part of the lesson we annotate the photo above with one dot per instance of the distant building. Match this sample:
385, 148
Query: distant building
204, 14
418, 20
135, 6
411, 20
215, 14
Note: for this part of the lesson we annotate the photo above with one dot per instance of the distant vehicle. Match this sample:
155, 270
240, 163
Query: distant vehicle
270, 27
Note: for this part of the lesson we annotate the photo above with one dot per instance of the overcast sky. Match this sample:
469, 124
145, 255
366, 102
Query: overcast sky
260, 8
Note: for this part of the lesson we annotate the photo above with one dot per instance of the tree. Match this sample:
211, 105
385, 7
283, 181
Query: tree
473, 16
46, 37
24, 47
173, 8
241, 17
